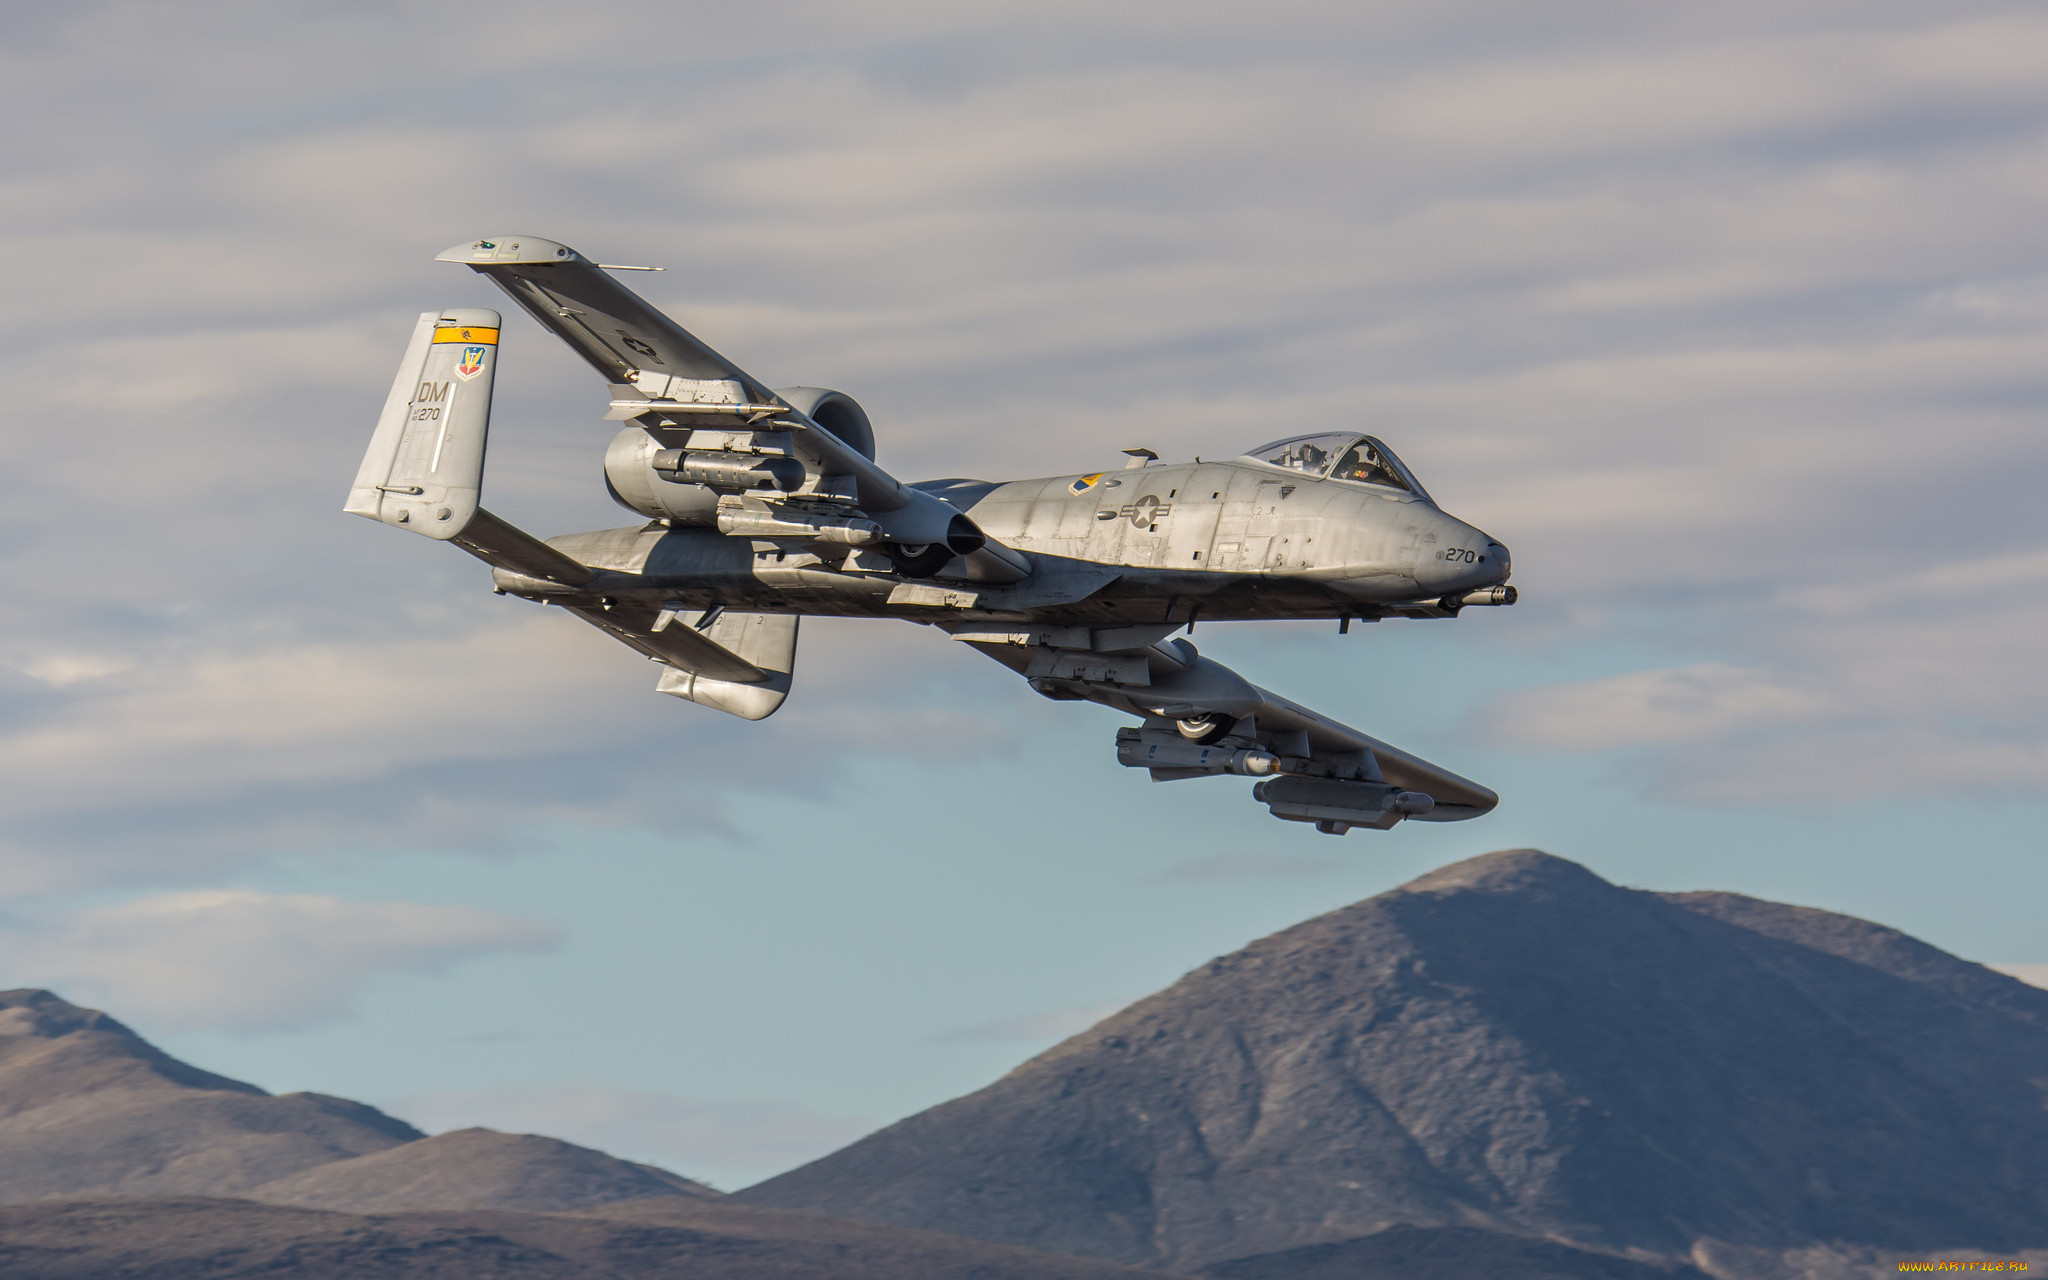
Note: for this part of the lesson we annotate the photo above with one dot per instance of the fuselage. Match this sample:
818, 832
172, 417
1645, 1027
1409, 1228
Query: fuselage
1219, 540
1220, 528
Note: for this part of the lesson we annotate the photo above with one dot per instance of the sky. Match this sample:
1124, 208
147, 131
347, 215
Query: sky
1731, 321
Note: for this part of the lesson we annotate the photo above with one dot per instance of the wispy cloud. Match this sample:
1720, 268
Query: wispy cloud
1708, 314
237, 960
1679, 704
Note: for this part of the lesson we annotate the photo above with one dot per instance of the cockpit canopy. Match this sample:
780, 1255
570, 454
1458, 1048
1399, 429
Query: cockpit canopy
1341, 456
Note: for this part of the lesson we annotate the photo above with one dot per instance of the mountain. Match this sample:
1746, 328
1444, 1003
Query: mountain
86, 1105
127, 1153
1510, 1044
89, 1107
476, 1169
179, 1238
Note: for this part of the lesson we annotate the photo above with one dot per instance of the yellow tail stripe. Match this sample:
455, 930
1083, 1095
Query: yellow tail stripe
456, 333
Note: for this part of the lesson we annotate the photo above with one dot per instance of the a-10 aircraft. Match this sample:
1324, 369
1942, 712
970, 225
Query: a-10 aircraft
766, 504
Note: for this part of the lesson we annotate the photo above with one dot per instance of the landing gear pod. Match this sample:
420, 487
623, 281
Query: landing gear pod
1336, 806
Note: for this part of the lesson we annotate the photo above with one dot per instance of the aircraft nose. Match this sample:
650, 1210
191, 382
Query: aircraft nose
1466, 558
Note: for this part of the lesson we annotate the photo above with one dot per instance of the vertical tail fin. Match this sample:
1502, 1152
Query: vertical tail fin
425, 467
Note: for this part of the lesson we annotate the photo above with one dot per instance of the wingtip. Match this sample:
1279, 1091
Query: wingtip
494, 250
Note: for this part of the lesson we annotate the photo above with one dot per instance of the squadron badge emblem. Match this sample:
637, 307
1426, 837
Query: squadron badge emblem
472, 363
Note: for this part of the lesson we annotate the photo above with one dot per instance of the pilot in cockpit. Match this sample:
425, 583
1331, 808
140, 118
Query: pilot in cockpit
1360, 459
1304, 456
1363, 462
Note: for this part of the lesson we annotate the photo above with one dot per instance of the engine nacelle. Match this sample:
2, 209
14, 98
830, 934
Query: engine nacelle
636, 485
653, 471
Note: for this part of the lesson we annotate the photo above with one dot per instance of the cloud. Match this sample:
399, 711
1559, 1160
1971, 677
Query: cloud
237, 960
740, 1139
1679, 704
1844, 692
1705, 313
439, 740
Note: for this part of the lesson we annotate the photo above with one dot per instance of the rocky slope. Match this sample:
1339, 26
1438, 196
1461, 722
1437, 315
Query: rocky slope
86, 1105
476, 1169
1514, 1044
89, 1107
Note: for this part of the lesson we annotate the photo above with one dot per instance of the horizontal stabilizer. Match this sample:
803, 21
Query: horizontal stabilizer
501, 546
634, 623
767, 640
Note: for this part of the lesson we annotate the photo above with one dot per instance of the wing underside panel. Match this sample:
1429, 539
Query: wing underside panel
1202, 719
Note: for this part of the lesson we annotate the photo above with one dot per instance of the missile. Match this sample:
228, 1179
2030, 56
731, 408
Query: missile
1137, 749
731, 472
740, 522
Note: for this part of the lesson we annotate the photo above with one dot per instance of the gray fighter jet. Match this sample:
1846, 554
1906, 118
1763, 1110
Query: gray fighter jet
766, 504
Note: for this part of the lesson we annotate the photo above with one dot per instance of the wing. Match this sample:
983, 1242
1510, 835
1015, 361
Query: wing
661, 375
1202, 719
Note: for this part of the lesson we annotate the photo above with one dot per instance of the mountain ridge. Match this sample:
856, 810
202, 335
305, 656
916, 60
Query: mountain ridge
1508, 1043
1505, 1066
88, 1107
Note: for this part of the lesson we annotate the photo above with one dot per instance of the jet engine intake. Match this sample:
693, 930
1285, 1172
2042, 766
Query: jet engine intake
835, 411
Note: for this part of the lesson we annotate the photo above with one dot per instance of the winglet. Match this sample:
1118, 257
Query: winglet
522, 249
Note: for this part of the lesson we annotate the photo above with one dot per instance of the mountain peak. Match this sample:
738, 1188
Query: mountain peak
45, 1015
88, 1106
1517, 871
1509, 1043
